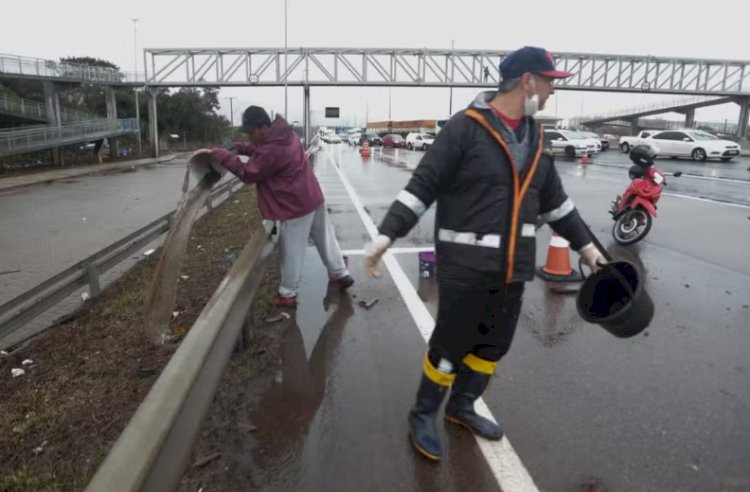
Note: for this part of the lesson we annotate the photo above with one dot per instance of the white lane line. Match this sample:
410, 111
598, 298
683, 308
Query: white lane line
709, 200
506, 466
353, 252
666, 193
359, 252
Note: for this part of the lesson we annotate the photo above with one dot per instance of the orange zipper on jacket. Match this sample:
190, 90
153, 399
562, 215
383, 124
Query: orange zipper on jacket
519, 190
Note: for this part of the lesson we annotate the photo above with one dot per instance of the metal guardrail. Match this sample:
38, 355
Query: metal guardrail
37, 138
36, 110
27, 306
154, 448
21, 107
37, 67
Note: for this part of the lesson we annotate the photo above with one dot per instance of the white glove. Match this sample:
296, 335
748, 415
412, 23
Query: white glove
593, 258
373, 252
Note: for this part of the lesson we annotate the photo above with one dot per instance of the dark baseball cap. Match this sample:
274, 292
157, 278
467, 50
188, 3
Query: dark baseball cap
254, 117
532, 60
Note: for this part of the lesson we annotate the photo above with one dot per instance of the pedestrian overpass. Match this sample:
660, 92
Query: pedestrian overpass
390, 67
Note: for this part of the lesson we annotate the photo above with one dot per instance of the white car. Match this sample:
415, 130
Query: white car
595, 145
331, 138
353, 138
696, 144
419, 141
568, 143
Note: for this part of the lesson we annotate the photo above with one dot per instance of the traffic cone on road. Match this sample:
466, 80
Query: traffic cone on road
557, 268
585, 159
365, 151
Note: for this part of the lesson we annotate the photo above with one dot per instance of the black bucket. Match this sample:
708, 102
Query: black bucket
614, 298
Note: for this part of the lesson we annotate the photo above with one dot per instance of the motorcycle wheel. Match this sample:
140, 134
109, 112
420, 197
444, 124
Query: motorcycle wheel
632, 226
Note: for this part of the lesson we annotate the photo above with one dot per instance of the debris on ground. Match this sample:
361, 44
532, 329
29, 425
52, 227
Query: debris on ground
246, 428
205, 460
275, 319
368, 304
97, 362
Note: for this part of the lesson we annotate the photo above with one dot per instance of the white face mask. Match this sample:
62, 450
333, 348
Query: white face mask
531, 105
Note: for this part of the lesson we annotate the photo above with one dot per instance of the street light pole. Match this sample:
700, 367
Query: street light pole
135, 90
389, 103
286, 66
450, 103
231, 111
135, 45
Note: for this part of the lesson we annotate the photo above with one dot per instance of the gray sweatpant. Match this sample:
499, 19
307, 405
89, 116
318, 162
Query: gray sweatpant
293, 236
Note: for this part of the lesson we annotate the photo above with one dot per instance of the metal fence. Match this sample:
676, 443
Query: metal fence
37, 138
36, 110
37, 67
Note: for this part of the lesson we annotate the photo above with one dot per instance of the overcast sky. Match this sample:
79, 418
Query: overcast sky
103, 29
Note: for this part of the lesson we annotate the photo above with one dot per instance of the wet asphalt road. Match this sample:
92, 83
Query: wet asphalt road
666, 410
47, 228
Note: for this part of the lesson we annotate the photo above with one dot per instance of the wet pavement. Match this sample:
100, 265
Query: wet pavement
721, 181
49, 227
666, 410
335, 419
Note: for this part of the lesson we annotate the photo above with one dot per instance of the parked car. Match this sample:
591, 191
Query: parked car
394, 140
567, 143
372, 139
604, 142
696, 144
331, 138
419, 141
594, 144
627, 143
353, 139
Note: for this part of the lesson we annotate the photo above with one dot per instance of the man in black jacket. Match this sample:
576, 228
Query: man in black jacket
492, 181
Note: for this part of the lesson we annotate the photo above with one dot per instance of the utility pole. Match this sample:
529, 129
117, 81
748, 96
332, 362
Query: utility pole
286, 65
135, 77
453, 66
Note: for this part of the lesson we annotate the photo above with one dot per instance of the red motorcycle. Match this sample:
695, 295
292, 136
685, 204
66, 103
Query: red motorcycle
634, 211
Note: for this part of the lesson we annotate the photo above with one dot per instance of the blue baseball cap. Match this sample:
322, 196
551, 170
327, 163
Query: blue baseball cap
532, 60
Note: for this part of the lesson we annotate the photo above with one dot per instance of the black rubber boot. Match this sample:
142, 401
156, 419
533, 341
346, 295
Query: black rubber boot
467, 388
423, 431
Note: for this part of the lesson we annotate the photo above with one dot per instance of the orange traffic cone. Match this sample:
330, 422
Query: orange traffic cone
585, 158
365, 151
557, 268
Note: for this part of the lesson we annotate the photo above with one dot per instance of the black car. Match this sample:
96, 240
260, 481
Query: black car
372, 139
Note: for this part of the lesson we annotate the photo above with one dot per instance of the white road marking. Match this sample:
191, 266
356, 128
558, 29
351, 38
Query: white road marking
360, 252
709, 200
506, 466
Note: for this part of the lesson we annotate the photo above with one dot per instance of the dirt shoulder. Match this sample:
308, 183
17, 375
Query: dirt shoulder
90, 373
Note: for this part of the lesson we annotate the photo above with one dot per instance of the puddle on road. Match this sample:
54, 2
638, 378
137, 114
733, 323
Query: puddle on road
285, 412
163, 293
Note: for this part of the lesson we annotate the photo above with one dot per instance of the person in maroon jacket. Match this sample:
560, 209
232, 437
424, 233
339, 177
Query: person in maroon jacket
288, 192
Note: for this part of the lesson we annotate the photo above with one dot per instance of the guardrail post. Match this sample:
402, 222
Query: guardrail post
92, 275
247, 333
